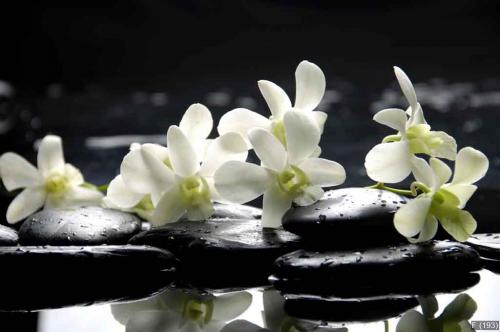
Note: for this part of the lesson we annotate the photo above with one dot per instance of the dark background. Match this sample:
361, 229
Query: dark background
100, 68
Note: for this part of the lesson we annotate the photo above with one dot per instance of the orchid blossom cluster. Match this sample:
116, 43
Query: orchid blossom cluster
437, 200
184, 178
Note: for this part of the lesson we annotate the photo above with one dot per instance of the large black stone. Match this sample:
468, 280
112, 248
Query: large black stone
347, 310
52, 277
222, 253
350, 217
80, 226
234, 211
8, 236
405, 269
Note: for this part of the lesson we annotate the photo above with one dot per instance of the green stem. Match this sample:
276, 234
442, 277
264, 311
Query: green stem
380, 185
386, 325
391, 138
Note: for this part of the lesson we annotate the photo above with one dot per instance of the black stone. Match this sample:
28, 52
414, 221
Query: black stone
487, 245
8, 236
347, 310
234, 211
80, 226
52, 277
221, 253
348, 217
406, 269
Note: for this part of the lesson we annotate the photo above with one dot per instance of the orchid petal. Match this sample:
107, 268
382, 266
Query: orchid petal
424, 173
410, 219
230, 146
394, 118
145, 174
310, 195
50, 155
412, 321
416, 117
471, 165
229, 306
406, 87
153, 321
201, 211
460, 224
75, 197
121, 195
323, 172
441, 171
302, 136
16, 172
240, 182
320, 119
310, 86
197, 122
185, 161
241, 120
156, 150
27, 202
277, 100
462, 191
389, 162
428, 231
73, 174
170, 207
268, 148
275, 205
447, 149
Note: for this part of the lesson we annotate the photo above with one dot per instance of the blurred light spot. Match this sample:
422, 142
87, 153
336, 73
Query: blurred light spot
490, 98
111, 142
36, 123
139, 97
6, 89
218, 98
330, 97
55, 91
159, 99
473, 125
246, 102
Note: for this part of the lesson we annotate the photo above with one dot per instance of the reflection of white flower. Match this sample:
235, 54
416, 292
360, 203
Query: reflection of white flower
175, 310
285, 175
310, 88
453, 318
54, 184
442, 201
176, 180
393, 160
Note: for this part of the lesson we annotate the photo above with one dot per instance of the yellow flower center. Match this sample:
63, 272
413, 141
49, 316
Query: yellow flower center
293, 181
278, 130
197, 311
56, 183
195, 191
422, 139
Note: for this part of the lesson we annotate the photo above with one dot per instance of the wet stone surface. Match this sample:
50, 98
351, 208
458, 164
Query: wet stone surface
51, 277
350, 217
439, 266
222, 253
81, 226
316, 308
8, 236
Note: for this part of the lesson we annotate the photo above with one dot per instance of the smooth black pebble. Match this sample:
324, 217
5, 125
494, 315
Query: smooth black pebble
53, 277
79, 226
487, 245
350, 217
8, 236
438, 266
222, 253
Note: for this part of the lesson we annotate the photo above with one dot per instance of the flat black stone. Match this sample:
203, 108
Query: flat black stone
234, 211
487, 245
8, 236
53, 277
81, 226
406, 269
222, 253
350, 217
347, 310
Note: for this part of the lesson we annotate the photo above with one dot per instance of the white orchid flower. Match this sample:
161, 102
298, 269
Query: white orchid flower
284, 175
310, 88
181, 184
453, 318
393, 160
442, 201
175, 310
54, 184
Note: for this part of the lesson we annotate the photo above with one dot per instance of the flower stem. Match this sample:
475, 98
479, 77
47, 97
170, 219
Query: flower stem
386, 325
380, 185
